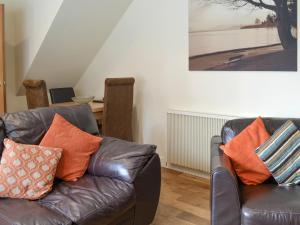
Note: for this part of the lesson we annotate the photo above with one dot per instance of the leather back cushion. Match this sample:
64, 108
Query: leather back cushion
234, 127
120, 159
29, 127
2, 136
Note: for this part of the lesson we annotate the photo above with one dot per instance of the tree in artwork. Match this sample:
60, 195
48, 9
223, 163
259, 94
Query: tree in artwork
285, 16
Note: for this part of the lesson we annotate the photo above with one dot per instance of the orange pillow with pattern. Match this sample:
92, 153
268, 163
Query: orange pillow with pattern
77, 145
27, 171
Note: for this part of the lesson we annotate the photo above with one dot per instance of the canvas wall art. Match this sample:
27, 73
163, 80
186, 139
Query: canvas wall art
243, 35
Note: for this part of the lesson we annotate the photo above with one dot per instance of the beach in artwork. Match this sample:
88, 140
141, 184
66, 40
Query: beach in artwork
251, 43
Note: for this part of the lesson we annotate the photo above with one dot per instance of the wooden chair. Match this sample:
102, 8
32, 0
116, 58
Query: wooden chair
118, 105
36, 93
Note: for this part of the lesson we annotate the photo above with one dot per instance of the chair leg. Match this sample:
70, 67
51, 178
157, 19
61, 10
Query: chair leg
99, 123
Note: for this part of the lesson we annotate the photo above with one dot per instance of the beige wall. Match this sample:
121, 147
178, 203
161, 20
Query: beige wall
77, 33
32, 22
26, 23
14, 103
54, 40
151, 43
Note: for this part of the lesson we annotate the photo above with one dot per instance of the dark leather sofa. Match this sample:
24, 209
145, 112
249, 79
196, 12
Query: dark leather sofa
233, 203
121, 186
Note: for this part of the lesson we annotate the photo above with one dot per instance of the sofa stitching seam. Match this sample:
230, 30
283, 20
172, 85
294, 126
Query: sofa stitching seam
94, 162
5, 218
52, 206
271, 211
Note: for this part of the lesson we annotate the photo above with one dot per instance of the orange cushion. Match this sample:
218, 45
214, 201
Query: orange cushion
241, 149
27, 171
77, 147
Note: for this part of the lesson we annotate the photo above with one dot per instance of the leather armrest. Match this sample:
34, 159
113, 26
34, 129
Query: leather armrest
120, 159
225, 196
147, 185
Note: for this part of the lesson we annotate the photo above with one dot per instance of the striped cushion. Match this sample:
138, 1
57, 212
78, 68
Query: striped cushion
281, 154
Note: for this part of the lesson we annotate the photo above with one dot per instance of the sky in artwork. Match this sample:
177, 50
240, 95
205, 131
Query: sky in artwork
207, 15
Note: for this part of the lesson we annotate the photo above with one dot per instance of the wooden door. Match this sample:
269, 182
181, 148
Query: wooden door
2, 63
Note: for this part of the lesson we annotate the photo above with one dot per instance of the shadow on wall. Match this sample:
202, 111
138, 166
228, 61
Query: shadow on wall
14, 103
21, 52
20, 65
138, 111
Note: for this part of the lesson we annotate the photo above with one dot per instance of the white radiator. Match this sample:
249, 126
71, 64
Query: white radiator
188, 138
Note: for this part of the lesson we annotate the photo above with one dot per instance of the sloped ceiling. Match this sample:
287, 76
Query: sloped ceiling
76, 34
31, 21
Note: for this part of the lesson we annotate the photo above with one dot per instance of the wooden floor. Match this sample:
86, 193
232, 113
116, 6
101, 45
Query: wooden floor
184, 200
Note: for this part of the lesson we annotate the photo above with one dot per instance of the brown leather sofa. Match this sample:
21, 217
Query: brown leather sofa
233, 203
121, 186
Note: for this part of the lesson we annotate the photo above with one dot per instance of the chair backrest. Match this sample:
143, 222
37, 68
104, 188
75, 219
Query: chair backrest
36, 93
118, 104
60, 95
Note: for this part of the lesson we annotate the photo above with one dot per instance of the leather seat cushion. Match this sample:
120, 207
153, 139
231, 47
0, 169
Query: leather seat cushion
270, 204
23, 212
91, 200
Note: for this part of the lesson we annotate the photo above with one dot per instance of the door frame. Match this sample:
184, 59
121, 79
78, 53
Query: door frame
2, 62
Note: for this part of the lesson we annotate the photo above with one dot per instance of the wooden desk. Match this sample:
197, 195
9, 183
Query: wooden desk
97, 108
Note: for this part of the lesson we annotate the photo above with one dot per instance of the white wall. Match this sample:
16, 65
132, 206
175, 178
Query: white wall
32, 21
54, 40
77, 33
14, 103
26, 23
151, 44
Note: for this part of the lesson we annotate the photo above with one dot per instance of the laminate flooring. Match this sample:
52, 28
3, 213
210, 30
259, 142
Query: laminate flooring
184, 200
